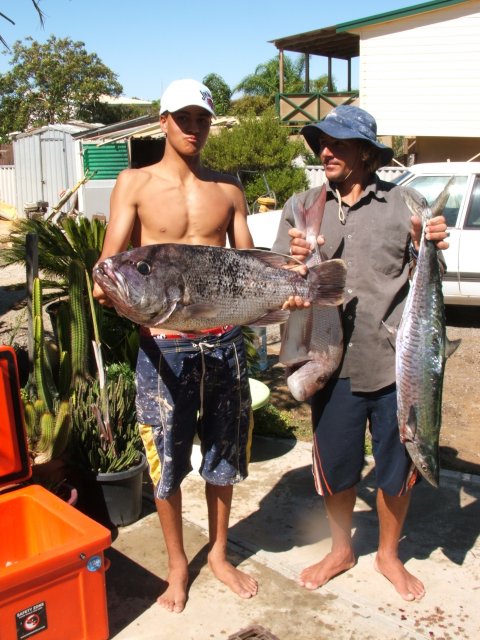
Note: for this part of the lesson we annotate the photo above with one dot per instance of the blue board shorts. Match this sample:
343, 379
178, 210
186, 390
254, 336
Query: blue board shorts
194, 386
339, 420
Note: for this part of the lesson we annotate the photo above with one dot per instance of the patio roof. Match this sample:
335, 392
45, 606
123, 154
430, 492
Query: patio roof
322, 42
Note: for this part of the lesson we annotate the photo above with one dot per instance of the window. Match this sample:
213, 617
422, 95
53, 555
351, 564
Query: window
431, 187
473, 215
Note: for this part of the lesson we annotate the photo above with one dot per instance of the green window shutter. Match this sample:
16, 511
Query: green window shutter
107, 160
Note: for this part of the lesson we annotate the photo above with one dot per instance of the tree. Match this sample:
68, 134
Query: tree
258, 146
52, 82
250, 105
5, 17
265, 79
221, 93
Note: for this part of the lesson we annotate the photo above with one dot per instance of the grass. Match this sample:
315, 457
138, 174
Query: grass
272, 422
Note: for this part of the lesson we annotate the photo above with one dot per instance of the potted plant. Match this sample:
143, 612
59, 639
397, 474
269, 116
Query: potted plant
106, 445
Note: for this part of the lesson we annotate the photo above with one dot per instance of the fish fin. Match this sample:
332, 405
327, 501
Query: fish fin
309, 220
271, 258
322, 255
391, 330
278, 316
451, 346
441, 200
421, 209
314, 213
416, 207
327, 282
298, 214
412, 423
296, 337
155, 321
203, 309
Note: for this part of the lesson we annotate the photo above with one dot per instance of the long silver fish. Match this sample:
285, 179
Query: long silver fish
194, 287
421, 352
312, 340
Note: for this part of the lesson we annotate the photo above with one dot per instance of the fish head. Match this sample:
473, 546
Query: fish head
143, 284
425, 459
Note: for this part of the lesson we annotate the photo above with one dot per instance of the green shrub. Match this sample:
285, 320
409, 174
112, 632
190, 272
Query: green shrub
259, 146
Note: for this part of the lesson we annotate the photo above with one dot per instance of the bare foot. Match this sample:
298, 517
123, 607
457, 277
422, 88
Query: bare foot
332, 565
240, 583
407, 585
175, 597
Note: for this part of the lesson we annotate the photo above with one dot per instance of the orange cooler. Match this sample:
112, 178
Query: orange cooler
52, 569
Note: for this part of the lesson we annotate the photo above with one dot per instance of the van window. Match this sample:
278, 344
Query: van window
473, 215
431, 187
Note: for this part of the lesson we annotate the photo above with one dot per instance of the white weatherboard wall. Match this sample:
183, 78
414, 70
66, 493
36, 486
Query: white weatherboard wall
420, 76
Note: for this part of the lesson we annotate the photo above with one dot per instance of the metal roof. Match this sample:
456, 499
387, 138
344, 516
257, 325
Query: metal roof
337, 42
69, 128
142, 127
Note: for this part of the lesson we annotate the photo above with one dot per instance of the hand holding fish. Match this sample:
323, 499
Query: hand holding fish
300, 248
100, 295
435, 229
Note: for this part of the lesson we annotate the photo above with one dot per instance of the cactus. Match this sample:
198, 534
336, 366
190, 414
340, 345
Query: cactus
90, 446
47, 410
79, 330
44, 381
48, 432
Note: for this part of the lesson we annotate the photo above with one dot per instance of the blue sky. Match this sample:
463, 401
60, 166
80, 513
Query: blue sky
149, 43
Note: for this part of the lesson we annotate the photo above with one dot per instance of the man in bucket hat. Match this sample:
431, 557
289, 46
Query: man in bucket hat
366, 223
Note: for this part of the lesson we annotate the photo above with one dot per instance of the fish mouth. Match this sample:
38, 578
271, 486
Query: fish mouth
114, 281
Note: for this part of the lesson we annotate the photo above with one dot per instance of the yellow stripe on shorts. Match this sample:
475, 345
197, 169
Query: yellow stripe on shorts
155, 468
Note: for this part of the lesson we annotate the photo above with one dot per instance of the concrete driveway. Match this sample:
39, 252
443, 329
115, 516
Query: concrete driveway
278, 526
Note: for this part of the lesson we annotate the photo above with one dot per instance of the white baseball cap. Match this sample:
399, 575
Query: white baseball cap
186, 93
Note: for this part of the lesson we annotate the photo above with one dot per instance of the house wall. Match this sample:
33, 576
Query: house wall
443, 149
420, 76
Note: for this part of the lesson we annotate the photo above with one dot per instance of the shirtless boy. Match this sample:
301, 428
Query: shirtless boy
188, 384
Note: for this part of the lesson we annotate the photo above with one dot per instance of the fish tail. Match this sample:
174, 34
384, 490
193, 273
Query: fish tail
451, 346
327, 283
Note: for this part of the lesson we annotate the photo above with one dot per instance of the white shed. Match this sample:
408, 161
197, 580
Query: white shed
45, 164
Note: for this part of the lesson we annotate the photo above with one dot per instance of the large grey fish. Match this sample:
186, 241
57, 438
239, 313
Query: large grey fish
312, 339
421, 352
194, 287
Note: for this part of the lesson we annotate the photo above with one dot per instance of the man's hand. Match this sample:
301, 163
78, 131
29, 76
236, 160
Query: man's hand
300, 248
435, 229
100, 295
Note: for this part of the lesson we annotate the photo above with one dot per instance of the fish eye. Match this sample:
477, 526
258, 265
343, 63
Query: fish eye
143, 268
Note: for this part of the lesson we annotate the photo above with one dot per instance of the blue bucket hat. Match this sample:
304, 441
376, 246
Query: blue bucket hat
347, 122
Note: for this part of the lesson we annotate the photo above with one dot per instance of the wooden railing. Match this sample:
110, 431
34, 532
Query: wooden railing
296, 109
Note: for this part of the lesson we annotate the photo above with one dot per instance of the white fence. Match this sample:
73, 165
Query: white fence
316, 174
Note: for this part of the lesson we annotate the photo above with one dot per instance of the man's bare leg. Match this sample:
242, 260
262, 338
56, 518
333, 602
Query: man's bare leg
219, 500
170, 514
341, 556
392, 511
